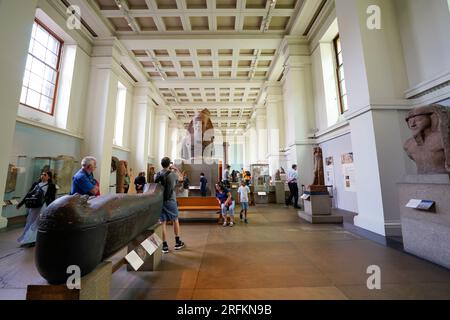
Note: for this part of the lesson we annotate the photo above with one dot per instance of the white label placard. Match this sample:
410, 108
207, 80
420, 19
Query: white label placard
155, 239
413, 203
134, 260
262, 193
149, 246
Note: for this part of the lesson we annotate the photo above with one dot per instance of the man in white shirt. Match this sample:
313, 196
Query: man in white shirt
292, 178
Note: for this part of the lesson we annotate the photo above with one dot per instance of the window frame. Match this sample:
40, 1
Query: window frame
57, 70
338, 77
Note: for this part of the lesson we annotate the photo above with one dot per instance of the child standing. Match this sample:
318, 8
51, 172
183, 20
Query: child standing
243, 191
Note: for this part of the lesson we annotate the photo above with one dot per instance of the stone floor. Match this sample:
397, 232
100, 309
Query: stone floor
275, 256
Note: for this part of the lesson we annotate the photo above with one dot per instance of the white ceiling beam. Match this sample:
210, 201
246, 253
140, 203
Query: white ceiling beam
208, 83
143, 42
304, 16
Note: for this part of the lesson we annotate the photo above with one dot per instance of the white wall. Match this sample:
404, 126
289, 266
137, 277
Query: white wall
345, 200
425, 36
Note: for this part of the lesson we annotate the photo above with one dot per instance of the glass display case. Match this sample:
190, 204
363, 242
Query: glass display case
260, 177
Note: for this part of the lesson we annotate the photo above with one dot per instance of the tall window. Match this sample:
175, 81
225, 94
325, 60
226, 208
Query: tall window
42, 70
340, 75
120, 114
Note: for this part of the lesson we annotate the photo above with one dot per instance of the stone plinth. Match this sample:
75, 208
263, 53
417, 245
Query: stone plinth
426, 234
280, 194
94, 286
211, 172
318, 206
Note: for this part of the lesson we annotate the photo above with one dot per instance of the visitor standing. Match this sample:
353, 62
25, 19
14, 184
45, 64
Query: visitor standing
226, 176
292, 178
168, 177
83, 181
140, 182
243, 192
203, 182
40, 195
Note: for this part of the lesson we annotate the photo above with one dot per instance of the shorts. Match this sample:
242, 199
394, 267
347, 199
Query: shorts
169, 211
244, 205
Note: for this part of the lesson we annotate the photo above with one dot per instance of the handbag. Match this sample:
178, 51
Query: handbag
36, 198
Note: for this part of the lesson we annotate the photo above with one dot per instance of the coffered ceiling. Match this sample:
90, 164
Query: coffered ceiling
214, 54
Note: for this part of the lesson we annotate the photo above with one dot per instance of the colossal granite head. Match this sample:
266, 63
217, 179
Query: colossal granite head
429, 147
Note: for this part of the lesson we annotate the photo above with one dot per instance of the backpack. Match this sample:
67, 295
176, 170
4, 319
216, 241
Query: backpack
162, 180
36, 198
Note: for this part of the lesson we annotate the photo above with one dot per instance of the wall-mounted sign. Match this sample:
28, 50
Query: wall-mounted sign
420, 204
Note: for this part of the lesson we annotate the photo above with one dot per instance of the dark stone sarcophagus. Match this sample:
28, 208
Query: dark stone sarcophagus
76, 231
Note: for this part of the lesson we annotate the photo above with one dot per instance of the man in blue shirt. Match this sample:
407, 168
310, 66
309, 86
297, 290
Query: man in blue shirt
83, 181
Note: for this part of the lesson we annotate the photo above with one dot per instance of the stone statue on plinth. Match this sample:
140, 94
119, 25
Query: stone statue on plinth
199, 141
319, 178
424, 197
429, 147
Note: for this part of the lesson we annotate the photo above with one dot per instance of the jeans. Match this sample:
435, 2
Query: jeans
293, 188
230, 209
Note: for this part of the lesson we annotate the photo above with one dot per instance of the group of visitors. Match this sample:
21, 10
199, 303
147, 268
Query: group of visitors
43, 192
227, 203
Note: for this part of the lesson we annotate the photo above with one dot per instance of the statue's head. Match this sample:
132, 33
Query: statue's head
422, 118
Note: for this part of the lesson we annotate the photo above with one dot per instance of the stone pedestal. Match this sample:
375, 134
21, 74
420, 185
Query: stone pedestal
193, 171
94, 286
151, 262
426, 234
280, 194
261, 199
318, 206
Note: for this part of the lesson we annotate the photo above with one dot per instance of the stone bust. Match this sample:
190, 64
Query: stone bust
429, 147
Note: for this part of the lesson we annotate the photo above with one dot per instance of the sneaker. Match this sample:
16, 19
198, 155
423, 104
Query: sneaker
165, 249
231, 224
245, 221
225, 224
179, 245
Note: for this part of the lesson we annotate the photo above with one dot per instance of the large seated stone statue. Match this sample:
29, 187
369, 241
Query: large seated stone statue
199, 141
429, 147
74, 230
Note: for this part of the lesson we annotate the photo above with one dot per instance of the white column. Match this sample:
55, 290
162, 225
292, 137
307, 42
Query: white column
172, 140
16, 23
299, 111
140, 129
275, 126
101, 110
376, 79
161, 134
261, 131
152, 141
253, 142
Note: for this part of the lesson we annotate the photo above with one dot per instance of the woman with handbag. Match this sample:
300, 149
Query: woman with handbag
40, 195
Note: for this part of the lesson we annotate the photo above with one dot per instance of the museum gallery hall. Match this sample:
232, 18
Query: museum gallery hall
306, 145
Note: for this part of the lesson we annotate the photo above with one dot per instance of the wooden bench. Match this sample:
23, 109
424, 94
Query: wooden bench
198, 204
203, 204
